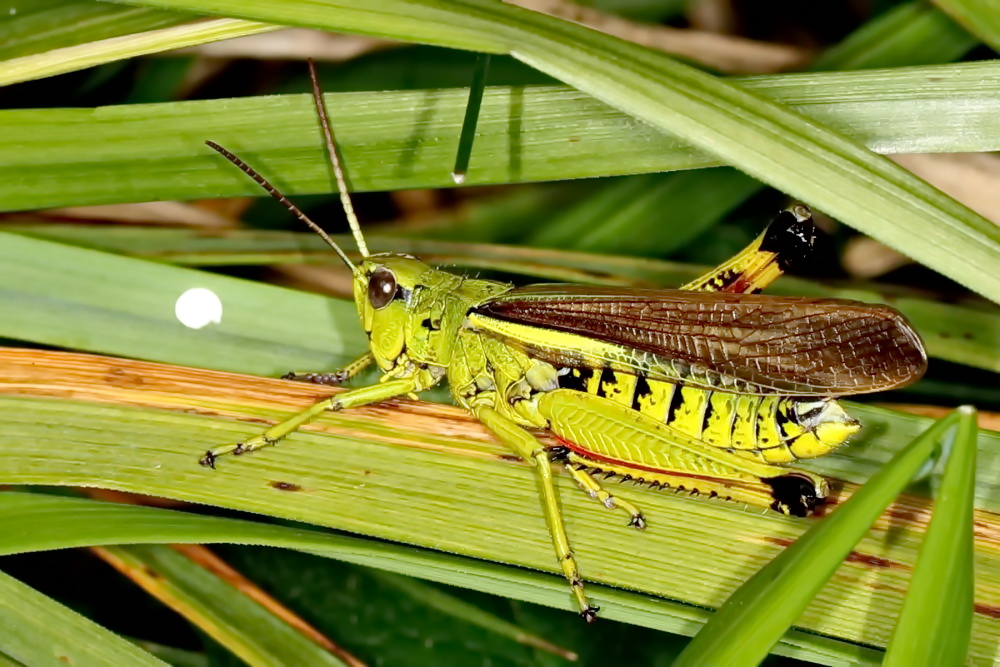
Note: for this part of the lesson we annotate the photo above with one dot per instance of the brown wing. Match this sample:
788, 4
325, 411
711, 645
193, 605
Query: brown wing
775, 344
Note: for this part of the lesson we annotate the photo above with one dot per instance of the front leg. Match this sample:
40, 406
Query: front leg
528, 448
349, 399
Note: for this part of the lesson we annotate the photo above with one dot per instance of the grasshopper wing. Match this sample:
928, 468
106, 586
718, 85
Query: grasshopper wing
742, 343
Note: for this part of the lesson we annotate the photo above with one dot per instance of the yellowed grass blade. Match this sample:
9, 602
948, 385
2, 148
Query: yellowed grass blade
428, 475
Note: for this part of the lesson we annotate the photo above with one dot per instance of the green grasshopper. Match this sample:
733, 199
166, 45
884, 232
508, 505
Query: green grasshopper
705, 390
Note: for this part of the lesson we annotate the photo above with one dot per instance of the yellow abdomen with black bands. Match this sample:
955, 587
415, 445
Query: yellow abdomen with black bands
772, 429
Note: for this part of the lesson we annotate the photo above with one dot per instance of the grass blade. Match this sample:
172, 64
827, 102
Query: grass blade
415, 472
52, 522
246, 628
958, 333
626, 215
460, 609
102, 302
30, 27
784, 149
977, 16
760, 612
471, 120
936, 620
913, 33
156, 152
39, 631
89, 54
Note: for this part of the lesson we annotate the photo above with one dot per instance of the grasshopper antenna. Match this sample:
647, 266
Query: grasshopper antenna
338, 172
282, 199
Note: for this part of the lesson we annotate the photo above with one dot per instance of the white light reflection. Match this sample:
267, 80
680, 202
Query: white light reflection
198, 307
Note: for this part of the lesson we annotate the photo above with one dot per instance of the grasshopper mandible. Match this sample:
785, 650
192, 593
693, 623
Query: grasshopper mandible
706, 389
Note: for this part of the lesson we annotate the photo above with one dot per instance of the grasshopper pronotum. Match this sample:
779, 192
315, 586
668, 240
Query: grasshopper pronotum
706, 389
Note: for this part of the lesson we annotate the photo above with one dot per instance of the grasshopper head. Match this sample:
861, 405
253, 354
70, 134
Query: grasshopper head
383, 289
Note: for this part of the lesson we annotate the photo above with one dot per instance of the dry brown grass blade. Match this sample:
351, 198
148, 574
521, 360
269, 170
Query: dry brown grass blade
726, 53
293, 43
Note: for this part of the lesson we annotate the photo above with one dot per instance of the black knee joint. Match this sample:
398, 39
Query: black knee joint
559, 453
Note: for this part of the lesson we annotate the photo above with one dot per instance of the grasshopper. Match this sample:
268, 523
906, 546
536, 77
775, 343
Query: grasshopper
706, 390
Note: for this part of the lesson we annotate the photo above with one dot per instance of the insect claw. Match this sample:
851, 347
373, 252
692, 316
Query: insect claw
590, 614
208, 460
638, 522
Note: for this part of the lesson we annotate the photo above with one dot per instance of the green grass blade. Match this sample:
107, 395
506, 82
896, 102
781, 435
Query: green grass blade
791, 152
39, 522
234, 620
980, 17
31, 27
435, 598
627, 215
89, 54
176, 657
910, 34
104, 303
961, 334
913, 33
356, 605
39, 631
936, 620
157, 152
419, 474
42, 523
438, 23
471, 119
34, 522
746, 627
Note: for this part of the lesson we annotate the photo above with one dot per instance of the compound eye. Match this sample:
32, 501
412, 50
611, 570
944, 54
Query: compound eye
381, 288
